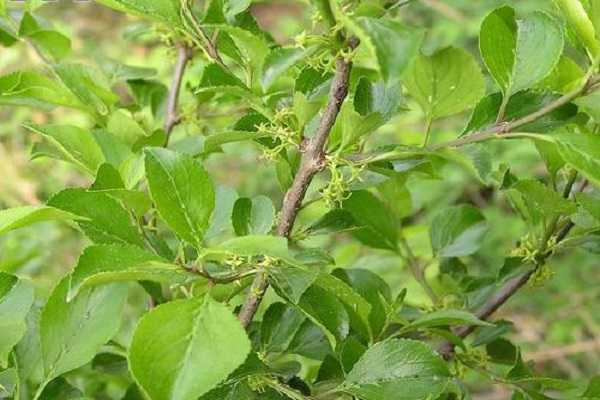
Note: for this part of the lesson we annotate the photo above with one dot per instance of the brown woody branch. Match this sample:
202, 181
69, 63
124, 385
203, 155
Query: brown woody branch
184, 54
511, 287
313, 161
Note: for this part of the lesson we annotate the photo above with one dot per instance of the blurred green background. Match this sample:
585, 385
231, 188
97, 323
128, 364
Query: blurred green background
557, 324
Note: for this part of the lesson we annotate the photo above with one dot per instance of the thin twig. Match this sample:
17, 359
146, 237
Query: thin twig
507, 127
417, 270
313, 161
172, 118
497, 131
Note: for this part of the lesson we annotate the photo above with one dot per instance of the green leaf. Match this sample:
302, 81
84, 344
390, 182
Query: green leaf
73, 332
591, 203
574, 12
253, 245
566, 76
109, 181
27, 88
390, 43
19, 217
457, 231
589, 105
543, 200
280, 60
377, 229
520, 105
310, 341
357, 307
311, 82
350, 127
8, 36
373, 289
75, 144
16, 298
399, 369
185, 348
376, 98
253, 217
183, 192
234, 7
334, 221
551, 156
89, 85
107, 220
325, 310
582, 151
446, 83
225, 198
444, 318
215, 77
125, 128
103, 264
60, 388
497, 43
520, 52
166, 11
279, 325
52, 44
291, 282
116, 71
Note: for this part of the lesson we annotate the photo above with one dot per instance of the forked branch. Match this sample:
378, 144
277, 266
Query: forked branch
313, 161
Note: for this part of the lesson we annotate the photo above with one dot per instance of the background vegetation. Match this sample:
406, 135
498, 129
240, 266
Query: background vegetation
557, 323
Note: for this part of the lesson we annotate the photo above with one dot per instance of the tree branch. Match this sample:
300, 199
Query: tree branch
184, 54
514, 285
313, 161
498, 130
502, 128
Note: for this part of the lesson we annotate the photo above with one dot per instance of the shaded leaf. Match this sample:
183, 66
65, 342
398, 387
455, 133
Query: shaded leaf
376, 228
183, 192
457, 231
254, 216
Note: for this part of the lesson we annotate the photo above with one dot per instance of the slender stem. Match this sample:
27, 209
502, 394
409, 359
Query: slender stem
313, 161
417, 270
499, 130
172, 118
428, 125
502, 110
506, 127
